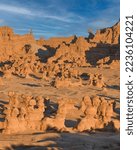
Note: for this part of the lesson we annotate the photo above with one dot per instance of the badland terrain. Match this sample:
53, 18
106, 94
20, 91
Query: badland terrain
60, 93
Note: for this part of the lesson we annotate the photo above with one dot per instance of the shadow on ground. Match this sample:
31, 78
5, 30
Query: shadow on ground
69, 141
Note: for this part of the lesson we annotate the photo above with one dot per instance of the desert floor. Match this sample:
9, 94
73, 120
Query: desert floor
99, 140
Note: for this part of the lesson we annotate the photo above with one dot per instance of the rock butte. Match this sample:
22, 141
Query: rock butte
59, 63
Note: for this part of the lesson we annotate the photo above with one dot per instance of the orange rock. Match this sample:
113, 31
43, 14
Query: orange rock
1, 82
108, 35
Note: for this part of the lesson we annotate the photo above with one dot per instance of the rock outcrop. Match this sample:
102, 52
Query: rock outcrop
98, 114
12, 43
71, 53
108, 35
23, 113
27, 113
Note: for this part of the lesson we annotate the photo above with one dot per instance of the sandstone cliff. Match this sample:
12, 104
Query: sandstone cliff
12, 43
93, 49
109, 35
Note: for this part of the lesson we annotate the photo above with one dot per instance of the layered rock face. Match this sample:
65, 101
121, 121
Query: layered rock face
108, 35
73, 52
12, 43
107, 48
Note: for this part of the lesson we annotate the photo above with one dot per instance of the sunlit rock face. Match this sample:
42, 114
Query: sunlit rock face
12, 43
109, 35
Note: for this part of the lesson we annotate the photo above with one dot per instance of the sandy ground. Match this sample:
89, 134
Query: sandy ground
61, 141
66, 141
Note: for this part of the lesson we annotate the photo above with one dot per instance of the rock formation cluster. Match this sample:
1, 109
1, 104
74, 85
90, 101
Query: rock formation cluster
23, 113
98, 113
58, 62
27, 113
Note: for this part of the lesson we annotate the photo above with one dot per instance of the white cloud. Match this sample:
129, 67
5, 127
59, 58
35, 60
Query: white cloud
15, 9
34, 13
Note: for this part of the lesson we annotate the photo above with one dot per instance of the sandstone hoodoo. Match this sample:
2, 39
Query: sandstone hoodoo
27, 113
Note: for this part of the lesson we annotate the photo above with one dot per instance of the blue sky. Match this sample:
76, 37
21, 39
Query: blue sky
51, 18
